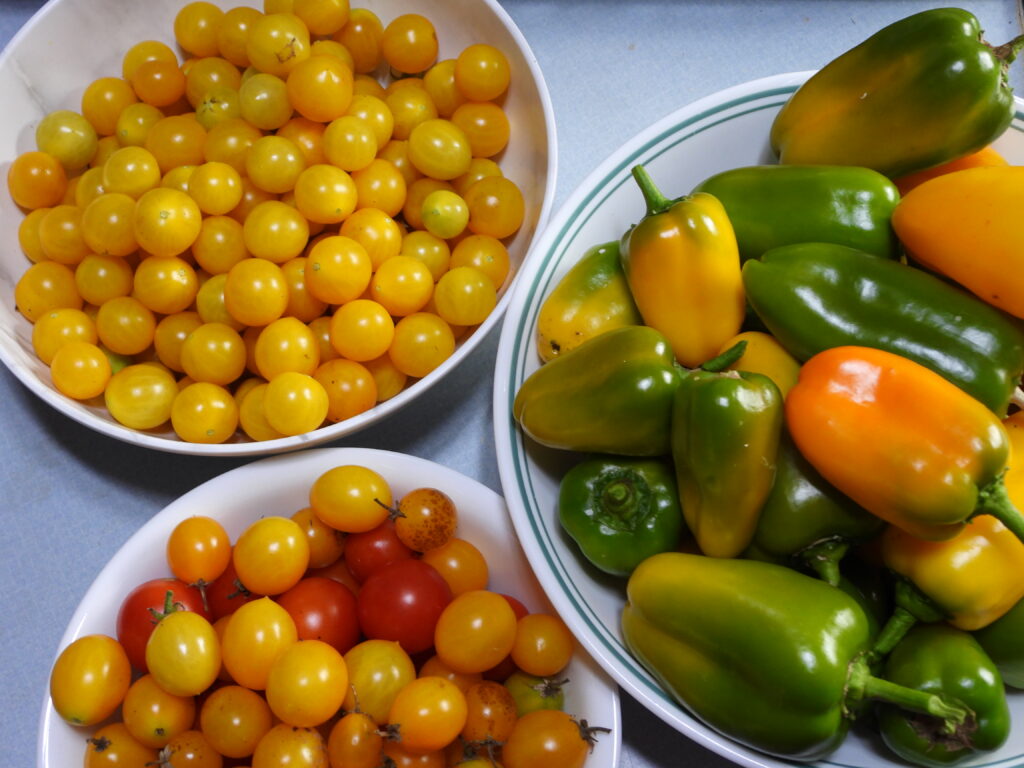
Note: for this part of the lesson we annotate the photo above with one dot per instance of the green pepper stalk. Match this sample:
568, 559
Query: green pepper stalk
620, 511
938, 658
766, 655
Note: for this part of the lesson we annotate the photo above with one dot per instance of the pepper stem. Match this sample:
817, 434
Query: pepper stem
823, 558
994, 500
912, 606
861, 685
727, 358
1007, 52
656, 201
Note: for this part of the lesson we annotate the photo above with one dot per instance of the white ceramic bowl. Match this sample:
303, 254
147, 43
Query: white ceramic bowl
726, 130
280, 485
55, 56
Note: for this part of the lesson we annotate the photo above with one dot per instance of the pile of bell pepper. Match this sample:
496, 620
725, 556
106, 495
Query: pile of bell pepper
794, 392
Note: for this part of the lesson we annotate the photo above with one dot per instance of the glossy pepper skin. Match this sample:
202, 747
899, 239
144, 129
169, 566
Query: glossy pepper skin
967, 226
620, 511
683, 268
763, 354
592, 297
846, 205
814, 296
764, 654
805, 521
1003, 641
725, 437
920, 92
901, 441
611, 394
974, 577
941, 659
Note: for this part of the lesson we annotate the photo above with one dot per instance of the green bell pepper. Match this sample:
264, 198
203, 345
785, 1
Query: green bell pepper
805, 521
725, 436
620, 511
916, 94
816, 296
1003, 641
611, 394
941, 659
768, 656
845, 205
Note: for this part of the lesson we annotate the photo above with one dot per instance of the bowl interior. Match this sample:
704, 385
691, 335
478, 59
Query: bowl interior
54, 57
726, 130
280, 485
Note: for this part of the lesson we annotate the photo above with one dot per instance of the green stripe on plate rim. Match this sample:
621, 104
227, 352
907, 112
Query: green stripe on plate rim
538, 289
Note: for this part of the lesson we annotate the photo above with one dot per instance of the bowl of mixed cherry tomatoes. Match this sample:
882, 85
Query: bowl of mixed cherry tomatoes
242, 229
332, 607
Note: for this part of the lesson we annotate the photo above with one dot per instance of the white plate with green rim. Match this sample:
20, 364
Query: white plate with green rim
726, 130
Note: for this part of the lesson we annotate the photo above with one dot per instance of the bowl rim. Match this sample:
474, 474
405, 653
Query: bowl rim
80, 413
509, 440
410, 469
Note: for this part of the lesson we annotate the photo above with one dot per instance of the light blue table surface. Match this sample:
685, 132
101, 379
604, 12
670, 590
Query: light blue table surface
69, 497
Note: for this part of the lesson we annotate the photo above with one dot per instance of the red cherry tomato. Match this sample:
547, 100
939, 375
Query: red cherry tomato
402, 602
145, 606
227, 593
369, 551
323, 609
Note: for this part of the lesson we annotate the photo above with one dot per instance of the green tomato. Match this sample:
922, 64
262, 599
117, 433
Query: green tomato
532, 693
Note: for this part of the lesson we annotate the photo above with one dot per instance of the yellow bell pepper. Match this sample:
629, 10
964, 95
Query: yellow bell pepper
764, 355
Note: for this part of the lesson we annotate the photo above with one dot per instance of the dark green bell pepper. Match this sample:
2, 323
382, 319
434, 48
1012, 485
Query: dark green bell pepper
766, 655
611, 394
725, 436
805, 521
845, 205
1003, 641
816, 296
620, 511
918, 93
940, 659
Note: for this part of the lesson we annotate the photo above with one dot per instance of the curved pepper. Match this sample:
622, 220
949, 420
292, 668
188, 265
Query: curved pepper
768, 656
919, 92
901, 441
815, 296
591, 298
683, 269
611, 394
838, 204
968, 226
1003, 641
942, 660
983, 158
725, 436
806, 521
620, 511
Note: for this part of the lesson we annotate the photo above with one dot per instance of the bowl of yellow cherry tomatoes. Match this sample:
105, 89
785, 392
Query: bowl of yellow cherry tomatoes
241, 229
333, 608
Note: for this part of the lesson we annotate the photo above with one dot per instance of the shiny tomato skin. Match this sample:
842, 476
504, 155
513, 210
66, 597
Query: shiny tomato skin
142, 608
402, 602
367, 552
323, 609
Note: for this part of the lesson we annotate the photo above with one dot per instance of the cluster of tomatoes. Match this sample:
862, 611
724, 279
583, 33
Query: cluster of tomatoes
354, 632
264, 236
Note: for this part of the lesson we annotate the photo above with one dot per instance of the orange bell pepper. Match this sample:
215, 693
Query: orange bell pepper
901, 441
983, 158
968, 226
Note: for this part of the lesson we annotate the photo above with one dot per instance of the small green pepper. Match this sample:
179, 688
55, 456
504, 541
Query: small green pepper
611, 394
838, 204
807, 522
725, 436
620, 511
940, 659
766, 655
920, 92
815, 296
